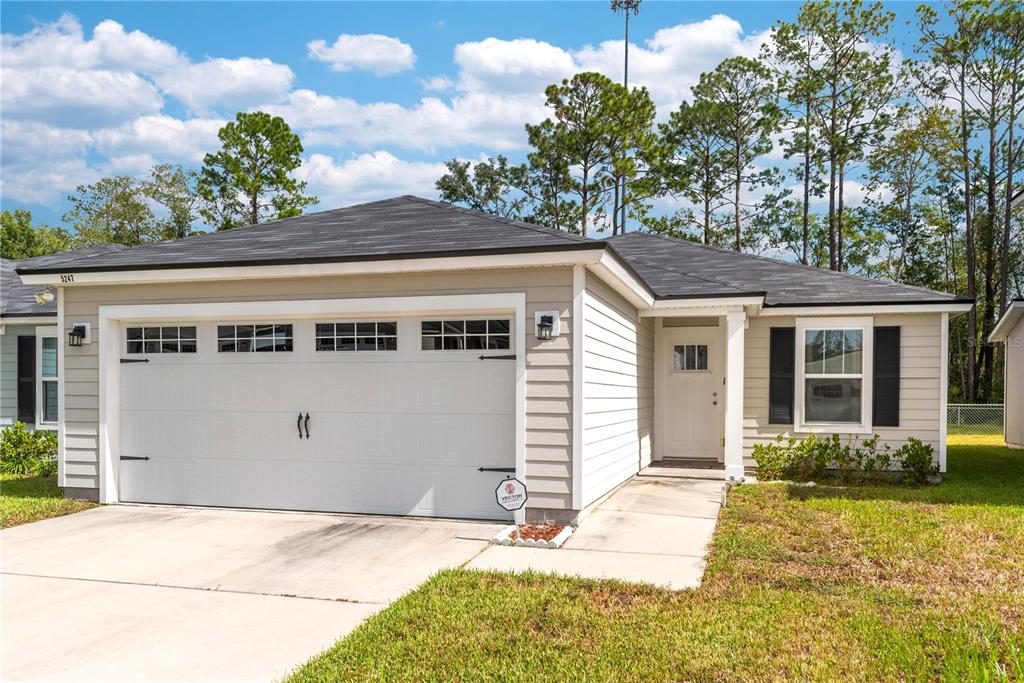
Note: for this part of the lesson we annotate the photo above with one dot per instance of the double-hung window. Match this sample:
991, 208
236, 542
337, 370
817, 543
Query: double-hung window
47, 377
833, 391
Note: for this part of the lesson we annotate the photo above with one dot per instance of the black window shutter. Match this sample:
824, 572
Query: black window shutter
781, 364
27, 379
886, 399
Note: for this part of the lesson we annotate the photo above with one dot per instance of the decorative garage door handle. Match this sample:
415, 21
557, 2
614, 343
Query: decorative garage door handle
307, 425
299, 425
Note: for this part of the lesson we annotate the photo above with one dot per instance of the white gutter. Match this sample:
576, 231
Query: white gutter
799, 311
1014, 312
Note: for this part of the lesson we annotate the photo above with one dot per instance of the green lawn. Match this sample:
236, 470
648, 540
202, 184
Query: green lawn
30, 498
881, 583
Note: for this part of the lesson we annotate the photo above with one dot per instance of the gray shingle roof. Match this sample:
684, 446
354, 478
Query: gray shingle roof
411, 227
393, 228
679, 269
19, 299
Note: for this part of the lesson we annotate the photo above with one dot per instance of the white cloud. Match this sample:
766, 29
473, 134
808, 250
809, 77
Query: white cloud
484, 119
522, 65
370, 176
380, 55
44, 183
440, 83
68, 97
233, 83
33, 142
164, 137
668, 64
63, 43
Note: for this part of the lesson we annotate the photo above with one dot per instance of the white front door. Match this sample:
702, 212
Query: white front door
393, 427
692, 394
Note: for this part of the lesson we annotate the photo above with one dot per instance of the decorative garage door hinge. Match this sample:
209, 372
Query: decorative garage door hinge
135, 457
134, 360
507, 356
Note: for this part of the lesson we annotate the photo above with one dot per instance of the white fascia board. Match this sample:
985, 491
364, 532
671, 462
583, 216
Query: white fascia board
681, 308
818, 311
391, 266
1007, 322
30, 319
611, 270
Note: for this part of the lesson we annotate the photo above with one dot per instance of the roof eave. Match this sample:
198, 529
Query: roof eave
1014, 312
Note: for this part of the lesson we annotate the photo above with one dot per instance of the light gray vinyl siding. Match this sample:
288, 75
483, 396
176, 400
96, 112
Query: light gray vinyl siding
618, 390
548, 373
9, 370
1015, 385
920, 368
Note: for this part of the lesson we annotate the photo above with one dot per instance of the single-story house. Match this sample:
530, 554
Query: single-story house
28, 353
1010, 331
403, 356
29, 379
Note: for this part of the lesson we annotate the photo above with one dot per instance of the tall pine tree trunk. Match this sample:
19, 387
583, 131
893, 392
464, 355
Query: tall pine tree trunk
840, 259
972, 284
806, 209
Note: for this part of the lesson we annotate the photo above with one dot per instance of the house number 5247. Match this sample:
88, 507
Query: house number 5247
64, 279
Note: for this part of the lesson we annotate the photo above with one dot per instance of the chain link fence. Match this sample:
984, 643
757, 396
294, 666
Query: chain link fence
974, 418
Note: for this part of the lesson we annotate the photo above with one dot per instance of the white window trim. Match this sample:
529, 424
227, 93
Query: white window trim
41, 333
866, 324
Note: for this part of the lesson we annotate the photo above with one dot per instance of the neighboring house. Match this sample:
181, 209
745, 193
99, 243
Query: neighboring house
1010, 331
402, 356
28, 353
29, 374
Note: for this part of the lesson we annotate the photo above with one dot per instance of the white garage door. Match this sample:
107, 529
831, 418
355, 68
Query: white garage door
402, 413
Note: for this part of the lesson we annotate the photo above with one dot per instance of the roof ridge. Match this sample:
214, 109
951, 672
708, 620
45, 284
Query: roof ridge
768, 259
542, 229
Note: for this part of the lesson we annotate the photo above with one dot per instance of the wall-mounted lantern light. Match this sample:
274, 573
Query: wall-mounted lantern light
79, 334
76, 335
547, 325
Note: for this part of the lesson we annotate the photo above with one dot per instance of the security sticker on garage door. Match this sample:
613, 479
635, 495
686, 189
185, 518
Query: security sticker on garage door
511, 494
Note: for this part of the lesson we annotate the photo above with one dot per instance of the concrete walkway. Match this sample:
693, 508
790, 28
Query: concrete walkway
652, 530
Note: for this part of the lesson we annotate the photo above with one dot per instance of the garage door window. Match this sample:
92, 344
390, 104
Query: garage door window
163, 339
357, 336
263, 337
457, 335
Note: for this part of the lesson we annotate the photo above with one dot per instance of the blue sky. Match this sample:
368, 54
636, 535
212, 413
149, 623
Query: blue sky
390, 91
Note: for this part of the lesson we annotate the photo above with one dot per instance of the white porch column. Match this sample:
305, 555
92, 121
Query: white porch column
735, 333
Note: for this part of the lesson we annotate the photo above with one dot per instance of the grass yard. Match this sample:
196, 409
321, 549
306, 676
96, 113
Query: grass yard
880, 583
26, 498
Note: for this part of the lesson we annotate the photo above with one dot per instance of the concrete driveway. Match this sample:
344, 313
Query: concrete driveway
133, 593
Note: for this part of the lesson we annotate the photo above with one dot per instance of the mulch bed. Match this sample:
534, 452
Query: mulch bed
536, 532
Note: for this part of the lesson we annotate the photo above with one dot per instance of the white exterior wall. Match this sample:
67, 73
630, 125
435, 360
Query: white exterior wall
921, 392
1014, 392
548, 439
618, 390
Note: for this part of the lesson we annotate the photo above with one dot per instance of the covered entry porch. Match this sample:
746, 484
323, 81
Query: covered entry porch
699, 353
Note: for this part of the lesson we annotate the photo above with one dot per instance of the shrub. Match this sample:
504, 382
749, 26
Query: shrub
809, 458
25, 452
772, 458
916, 460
